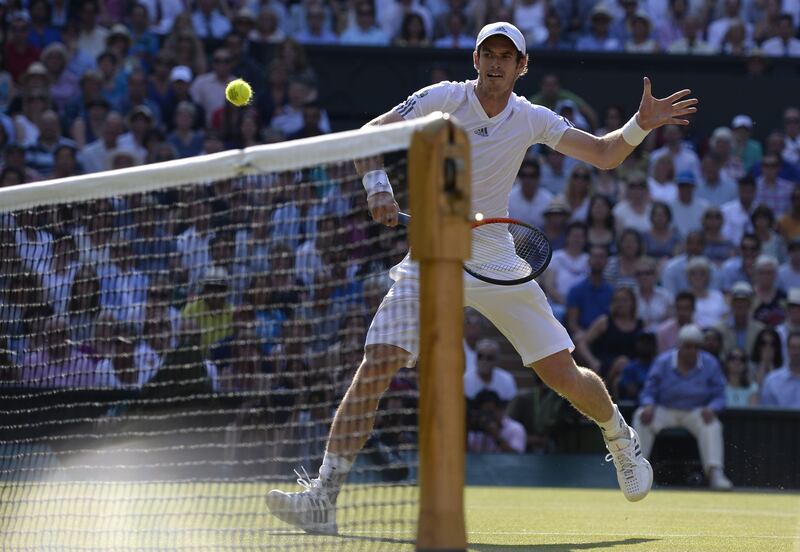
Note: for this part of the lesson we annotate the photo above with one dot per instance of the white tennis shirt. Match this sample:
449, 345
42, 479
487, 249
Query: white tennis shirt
498, 145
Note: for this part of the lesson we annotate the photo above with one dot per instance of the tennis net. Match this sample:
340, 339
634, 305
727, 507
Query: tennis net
174, 340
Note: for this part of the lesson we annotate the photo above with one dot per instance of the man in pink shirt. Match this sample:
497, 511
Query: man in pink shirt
490, 430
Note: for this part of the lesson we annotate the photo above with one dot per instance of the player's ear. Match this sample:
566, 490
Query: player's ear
475, 59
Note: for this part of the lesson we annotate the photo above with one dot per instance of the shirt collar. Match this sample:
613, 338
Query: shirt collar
476, 104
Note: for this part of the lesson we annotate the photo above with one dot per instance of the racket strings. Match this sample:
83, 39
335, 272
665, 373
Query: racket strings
508, 251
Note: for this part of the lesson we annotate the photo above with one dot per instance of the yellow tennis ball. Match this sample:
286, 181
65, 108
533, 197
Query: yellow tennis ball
238, 92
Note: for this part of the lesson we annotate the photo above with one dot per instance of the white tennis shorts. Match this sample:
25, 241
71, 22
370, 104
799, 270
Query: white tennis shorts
520, 312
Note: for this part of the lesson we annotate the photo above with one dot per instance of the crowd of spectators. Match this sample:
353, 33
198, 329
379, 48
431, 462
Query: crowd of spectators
118, 293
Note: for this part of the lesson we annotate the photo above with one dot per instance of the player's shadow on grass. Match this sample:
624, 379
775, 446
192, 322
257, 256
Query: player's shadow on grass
562, 547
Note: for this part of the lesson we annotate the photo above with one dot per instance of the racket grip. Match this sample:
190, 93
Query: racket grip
403, 219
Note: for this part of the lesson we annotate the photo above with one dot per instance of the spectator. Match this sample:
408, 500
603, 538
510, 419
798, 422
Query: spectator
456, 36
556, 218
748, 150
19, 53
736, 41
186, 141
661, 183
713, 186
86, 114
614, 118
119, 43
687, 210
718, 28
683, 157
599, 38
661, 240
781, 388
785, 44
83, 307
529, 18
769, 300
686, 388
211, 310
42, 33
764, 229
266, 28
487, 375
641, 41
490, 430
773, 191
621, 268
635, 211
654, 302
600, 222
590, 299
791, 128
64, 83
789, 224
528, 201
568, 266
65, 161
209, 22
474, 328
607, 342
670, 29
577, 191
736, 213
634, 374
208, 89
740, 392
789, 271
739, 329
710, 305
312, 121
767, 355
193, 243
721, 145
718, 247
41, 155
540, 411
289, 119
364, 32
667, 332
622, 25
775, 143
549, 95
742, 267
91, 36
554, 171
692, 41
317, 31
59, 273
555, 37
242, 64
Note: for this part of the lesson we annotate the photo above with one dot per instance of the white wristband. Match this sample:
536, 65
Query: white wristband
376, 182
632, 133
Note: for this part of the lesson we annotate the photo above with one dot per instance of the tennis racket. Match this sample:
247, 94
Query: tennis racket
505, 251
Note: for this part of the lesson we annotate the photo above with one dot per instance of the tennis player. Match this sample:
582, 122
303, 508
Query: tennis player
501, 127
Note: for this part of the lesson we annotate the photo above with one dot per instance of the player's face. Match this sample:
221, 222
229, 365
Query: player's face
497, 63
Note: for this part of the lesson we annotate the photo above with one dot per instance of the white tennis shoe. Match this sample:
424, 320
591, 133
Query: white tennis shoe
634, 473
310, 509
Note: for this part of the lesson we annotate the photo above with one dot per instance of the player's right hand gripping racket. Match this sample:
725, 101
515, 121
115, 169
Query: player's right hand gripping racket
531, 255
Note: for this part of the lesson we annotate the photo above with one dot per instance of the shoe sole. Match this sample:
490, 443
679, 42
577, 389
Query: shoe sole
287, 516
637, 498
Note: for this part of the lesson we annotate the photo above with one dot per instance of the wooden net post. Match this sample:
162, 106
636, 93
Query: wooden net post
439, 180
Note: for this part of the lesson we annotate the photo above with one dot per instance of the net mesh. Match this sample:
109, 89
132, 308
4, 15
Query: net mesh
173, 345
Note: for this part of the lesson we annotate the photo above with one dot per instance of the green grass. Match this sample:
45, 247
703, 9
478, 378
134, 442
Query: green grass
220, 516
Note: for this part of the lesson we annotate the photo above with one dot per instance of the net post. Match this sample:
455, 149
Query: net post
439, 180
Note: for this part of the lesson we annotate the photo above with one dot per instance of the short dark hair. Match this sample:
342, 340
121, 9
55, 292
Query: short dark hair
747, 180
486, 396
685, 296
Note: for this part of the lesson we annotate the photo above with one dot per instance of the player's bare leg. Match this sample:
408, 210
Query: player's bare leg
587, 393
314, 508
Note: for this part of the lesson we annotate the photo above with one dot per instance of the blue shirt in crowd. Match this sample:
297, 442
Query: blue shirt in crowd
703, 386
590, 300
781, 389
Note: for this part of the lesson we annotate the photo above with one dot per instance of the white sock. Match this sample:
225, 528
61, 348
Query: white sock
614, 428
333, 472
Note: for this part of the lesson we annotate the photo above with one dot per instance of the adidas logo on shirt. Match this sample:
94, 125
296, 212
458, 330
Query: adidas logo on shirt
483, 131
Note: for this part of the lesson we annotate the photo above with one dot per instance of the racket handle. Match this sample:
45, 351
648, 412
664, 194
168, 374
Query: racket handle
403, 219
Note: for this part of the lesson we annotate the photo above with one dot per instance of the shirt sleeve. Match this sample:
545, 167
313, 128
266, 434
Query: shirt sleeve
768, 398
514, 435
649, 394
546, 127
444, 96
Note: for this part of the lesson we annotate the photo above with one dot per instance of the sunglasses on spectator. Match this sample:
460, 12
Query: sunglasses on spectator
583, 176
793, 120
770, 164
486, 356
529, 175
736, 357
645, 272
365, 13
222, 60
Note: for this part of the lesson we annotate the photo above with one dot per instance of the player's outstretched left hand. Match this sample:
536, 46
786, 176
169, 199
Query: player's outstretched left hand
655, 112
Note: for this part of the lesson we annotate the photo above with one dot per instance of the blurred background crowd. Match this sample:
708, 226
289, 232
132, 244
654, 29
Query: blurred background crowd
278, 276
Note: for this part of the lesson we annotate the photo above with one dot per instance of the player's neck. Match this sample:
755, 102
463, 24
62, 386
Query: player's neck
493, 102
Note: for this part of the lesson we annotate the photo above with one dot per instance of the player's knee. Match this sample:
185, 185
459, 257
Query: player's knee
559, 372
380, 364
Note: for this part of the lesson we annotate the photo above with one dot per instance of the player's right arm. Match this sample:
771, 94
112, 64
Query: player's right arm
380, 199
382, 206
